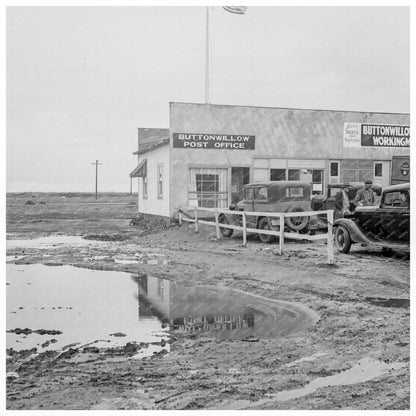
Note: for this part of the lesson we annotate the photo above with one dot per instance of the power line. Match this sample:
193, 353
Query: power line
199, 79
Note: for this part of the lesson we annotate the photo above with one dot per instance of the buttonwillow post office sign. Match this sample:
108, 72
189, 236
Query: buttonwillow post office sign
376, 135
213, 141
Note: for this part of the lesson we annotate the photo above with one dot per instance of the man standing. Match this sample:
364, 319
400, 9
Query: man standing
365, 196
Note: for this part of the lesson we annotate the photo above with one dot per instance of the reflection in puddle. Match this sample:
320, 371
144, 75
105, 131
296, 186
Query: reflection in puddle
53, 241
222, 313
85, 305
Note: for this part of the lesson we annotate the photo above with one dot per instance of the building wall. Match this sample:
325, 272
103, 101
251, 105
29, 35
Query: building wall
283, 138
154, 204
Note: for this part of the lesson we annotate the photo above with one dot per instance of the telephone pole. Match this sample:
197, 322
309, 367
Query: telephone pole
96, 177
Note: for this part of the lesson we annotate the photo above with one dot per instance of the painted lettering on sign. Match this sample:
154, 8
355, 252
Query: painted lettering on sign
382, 135
213, 141
375, 135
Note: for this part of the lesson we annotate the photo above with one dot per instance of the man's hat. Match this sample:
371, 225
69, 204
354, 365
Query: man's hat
368, 182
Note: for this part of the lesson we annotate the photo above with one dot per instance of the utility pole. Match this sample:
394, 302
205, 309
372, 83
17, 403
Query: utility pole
207, 56
96, 177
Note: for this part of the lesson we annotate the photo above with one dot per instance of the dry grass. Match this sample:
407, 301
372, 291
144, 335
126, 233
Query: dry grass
70, 213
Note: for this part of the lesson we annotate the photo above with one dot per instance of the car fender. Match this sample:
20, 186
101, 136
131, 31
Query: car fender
356, 234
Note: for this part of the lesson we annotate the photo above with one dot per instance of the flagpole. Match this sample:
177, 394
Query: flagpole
207, 57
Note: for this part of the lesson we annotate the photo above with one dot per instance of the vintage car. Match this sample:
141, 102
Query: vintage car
328, 201
386, 225
273, 196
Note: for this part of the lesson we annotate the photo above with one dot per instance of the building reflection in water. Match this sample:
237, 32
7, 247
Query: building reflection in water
221, 313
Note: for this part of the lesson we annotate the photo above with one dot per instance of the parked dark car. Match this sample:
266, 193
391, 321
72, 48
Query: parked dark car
273, 196
328, 201
386, 225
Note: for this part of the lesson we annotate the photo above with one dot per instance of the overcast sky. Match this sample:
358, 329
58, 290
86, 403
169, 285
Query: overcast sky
80, 80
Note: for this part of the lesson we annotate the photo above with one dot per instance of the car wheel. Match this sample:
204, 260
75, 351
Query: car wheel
296, 223
342, 239
265, 225
225, 232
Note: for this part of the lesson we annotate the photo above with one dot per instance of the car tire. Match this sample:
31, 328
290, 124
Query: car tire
342, 239
265, 225
225, 232
296, 223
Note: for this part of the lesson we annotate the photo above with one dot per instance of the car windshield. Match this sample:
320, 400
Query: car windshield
396, 199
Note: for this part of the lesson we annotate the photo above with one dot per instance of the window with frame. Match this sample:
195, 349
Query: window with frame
208, 188
260, 194
144, 186
294, 174
160, 181
292, 192
334, 169
313, 176
248, 193
277, 174
396, 199
378, 170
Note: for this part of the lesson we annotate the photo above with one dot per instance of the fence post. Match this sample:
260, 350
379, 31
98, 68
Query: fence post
281, 232
217, 224
244, 229
180, 217
330, 240
196, 219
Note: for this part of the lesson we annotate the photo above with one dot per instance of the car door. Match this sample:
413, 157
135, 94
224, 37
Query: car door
394, 215
248, 203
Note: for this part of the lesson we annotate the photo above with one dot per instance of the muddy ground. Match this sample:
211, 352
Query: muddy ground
362, 301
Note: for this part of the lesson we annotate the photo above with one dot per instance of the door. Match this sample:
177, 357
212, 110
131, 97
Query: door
394, 215
239, 177
334, 171
248, 203
381, 173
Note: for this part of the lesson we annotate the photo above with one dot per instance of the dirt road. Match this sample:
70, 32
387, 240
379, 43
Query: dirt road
355, 357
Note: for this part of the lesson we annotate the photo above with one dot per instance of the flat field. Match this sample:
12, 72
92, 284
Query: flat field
362, 302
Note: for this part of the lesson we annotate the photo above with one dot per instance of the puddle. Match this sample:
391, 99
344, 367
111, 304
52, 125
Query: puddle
54, 241
310, 358
365, 370
12, 259
222, 313
389, 302
159, 262
85, 305
116, 308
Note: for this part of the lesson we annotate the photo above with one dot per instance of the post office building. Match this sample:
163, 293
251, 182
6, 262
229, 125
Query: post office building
210, 151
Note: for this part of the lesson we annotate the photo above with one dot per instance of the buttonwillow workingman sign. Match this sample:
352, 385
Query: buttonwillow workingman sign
213, 141
376, 135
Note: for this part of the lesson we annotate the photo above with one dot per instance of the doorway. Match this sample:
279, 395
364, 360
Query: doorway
239, 177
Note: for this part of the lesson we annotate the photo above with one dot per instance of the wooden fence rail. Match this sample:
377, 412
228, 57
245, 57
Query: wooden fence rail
280, 233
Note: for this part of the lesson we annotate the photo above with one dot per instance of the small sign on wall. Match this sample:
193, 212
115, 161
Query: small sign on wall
213, 141
376, 135
352, 135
